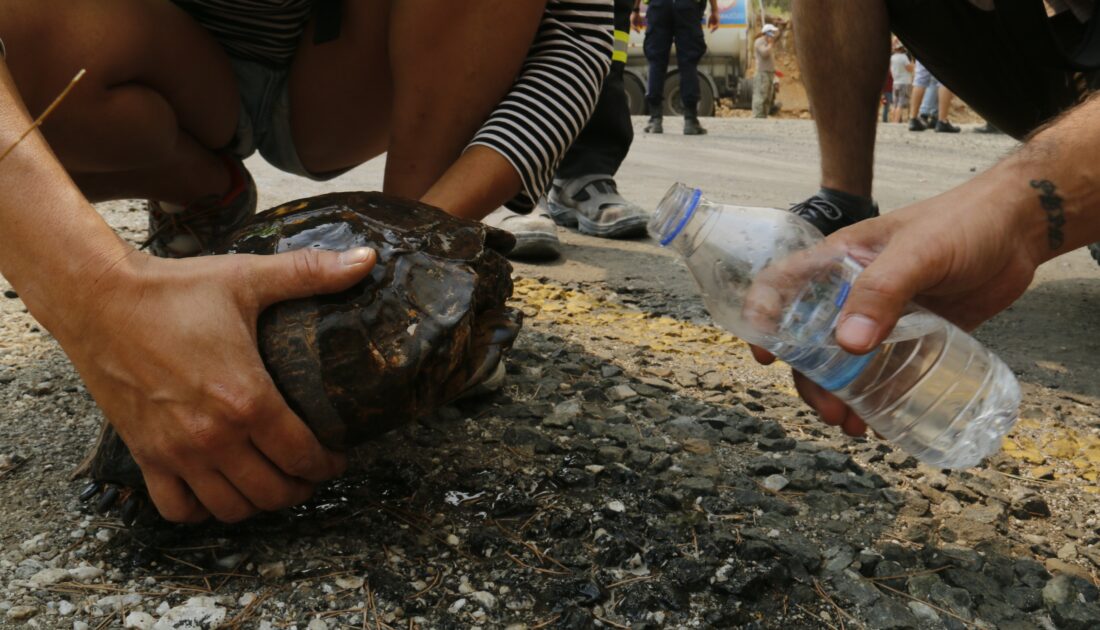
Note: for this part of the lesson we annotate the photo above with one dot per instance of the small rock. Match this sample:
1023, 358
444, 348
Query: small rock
139, 620
11, 295
924, 612
619, 393
697, 485
775, 483
49, 577
20, 613
615, 507
349, 582
65, 608
272, 570
1058, 590
86, 574
458, 605
453, 540
890, 614
197, 612
485, 599
1067, 552
317, 624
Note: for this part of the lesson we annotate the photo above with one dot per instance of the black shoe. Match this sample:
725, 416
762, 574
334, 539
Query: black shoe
916, 125
656, 125
692, 126
830, 210
987, 128
942, 126
929, 120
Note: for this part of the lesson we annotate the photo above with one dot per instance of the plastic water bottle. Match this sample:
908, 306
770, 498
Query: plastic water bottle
767, 277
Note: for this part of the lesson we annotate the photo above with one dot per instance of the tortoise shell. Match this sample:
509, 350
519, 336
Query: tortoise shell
428, 324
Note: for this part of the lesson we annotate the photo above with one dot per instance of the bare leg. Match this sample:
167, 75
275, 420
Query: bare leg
945, 97
844, 48
915, 101
420, 89
159, 96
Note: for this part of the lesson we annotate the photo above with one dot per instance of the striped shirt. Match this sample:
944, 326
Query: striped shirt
534, 124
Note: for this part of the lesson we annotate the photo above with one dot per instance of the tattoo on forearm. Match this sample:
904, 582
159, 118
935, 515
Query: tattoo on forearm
1052, 205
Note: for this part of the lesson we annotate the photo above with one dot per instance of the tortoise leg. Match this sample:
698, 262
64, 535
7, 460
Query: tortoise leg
116, 477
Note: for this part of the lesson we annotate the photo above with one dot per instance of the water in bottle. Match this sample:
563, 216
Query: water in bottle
767, 277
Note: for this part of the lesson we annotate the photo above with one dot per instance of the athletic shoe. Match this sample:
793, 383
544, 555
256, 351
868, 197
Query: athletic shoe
655, 125
204, 224
915, 124
536, 235
830, 210
594, 206
942, 126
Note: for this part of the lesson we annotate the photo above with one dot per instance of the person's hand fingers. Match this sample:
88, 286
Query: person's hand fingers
880, 294
219, 496
831, 409
761, 355
289, 444
173, 499
264, 485
305, 272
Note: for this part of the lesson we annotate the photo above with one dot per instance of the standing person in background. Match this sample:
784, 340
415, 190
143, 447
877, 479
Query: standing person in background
901, 68
584, 194
763, 84
887, 97
680, 22
922, 82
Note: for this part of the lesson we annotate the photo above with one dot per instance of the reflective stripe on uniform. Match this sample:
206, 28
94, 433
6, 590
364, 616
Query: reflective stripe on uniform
622, 39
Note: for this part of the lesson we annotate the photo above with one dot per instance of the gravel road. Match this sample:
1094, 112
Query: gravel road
637, 470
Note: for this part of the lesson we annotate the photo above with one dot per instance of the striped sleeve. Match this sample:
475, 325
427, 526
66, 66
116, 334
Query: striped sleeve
554, 94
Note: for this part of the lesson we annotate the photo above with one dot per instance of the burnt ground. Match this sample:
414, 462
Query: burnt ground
637, 469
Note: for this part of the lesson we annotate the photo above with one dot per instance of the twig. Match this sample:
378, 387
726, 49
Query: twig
49, 110
816, 616
611, 623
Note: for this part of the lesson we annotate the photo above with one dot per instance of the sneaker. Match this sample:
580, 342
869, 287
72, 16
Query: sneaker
915, 124
928, 120
942, 126
536, 235
655, 125
692, 127
204, 224
594, 206
830, 210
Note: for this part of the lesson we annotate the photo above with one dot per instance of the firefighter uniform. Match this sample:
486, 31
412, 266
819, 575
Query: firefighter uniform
679, 22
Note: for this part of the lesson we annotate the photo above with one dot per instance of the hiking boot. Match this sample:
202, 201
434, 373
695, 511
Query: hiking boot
830, 210
655, 125
594, 206
942, 126
536, 235
915, 124
205, 223
692, 126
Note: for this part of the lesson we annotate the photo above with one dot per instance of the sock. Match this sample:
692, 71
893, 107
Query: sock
854, 206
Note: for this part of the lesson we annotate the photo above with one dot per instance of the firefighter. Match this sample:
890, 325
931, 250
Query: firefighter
679, 22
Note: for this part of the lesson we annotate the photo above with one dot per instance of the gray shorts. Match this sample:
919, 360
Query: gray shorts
264, 123
901, 95
923, 78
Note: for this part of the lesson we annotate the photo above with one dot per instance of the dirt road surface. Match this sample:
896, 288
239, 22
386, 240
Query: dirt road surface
637, 470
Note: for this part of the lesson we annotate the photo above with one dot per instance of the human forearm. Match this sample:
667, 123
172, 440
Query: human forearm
53, 244
478, 183
1055, 179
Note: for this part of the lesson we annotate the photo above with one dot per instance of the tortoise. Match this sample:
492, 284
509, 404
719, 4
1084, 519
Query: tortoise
428, 324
